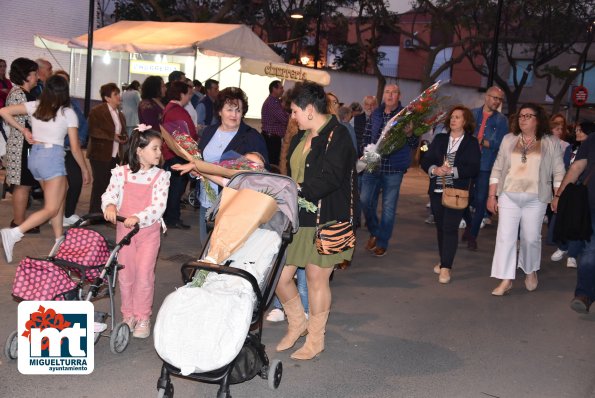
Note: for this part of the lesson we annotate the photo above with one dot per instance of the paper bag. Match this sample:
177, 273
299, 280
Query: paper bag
240, 213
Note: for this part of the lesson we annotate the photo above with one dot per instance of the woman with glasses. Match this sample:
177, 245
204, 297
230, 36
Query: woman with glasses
528, 162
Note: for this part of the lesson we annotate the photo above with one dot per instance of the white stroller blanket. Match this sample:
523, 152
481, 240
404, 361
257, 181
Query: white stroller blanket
200, 329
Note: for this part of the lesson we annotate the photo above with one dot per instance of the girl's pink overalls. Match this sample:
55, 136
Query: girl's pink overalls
137, 279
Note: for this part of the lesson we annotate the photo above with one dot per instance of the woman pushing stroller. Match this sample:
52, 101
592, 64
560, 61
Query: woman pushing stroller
322, 161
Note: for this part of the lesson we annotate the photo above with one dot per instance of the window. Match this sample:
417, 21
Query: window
521, 66
442, 57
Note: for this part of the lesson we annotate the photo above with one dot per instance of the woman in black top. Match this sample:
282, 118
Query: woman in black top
321, 160
452, 158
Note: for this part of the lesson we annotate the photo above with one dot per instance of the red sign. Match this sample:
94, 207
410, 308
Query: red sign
580, 95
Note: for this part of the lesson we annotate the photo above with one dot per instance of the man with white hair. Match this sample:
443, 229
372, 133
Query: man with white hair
45, 70
387, 178
360, 120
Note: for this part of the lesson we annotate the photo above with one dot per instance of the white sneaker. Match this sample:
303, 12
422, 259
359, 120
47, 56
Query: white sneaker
428, 205
571, 262
486, 221
430, 219
276, 315
558, 255
462, 224
69, 221
10, 236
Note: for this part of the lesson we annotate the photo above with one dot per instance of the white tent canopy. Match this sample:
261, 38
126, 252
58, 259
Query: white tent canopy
172, 38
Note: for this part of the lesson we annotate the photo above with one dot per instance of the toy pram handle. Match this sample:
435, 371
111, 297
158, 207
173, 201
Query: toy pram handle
94, 217
221, 269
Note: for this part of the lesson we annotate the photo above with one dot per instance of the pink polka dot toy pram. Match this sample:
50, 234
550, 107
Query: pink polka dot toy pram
81, 266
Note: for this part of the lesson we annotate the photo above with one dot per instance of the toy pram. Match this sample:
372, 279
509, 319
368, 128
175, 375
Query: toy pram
246, 281
82, 266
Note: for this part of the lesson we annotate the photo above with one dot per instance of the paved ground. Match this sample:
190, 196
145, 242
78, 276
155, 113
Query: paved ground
393, 330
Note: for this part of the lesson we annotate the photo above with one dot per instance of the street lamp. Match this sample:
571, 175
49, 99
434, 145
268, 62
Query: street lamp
299, 14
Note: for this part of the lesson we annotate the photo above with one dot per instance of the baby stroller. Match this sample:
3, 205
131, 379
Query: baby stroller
82, 266
251, 360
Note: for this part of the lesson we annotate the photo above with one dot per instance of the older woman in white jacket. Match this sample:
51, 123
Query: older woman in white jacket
529, 163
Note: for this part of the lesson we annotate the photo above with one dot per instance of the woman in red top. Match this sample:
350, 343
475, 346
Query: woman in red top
174, 114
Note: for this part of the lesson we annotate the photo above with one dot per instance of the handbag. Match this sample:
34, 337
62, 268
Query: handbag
573, 215
335, 236
454, 198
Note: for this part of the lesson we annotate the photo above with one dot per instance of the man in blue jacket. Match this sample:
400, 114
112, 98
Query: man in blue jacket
387, 178
491, 127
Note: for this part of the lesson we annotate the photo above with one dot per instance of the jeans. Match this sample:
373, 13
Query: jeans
518, 209
482, 185
75, 184
585, 275
177, 186
372, 185
302, 287
447, 229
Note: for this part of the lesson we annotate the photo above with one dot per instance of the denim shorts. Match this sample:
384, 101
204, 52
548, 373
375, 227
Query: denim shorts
46, 162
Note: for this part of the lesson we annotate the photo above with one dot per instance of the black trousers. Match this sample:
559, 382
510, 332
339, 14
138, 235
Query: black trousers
273, 143
74, 176
101, 175
447, 229
177, 186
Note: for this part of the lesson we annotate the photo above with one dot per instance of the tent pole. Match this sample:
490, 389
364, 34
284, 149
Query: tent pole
71, 71
195, 62
89, 57
120, 73
129, 62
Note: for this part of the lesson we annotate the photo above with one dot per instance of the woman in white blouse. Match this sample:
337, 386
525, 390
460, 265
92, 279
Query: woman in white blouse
529, 162
51, 119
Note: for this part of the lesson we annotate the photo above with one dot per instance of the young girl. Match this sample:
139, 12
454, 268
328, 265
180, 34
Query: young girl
138, 191
51, 119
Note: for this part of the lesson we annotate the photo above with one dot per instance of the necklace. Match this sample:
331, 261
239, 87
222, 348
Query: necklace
452, 143
525, 147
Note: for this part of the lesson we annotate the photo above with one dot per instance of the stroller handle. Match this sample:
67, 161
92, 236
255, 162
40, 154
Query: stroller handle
99, 217
223, 269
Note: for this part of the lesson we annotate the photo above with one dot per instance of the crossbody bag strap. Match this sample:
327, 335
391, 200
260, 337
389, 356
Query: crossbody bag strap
351, 189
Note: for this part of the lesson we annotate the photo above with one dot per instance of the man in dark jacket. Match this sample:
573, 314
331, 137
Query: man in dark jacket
387, 178
490, 127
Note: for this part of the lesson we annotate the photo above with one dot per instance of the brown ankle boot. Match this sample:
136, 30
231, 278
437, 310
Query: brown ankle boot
298, 324
315, 340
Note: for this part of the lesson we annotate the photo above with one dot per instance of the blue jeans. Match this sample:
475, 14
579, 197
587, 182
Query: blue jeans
177, 186
302, 286
585, 275
482, 185
390, 186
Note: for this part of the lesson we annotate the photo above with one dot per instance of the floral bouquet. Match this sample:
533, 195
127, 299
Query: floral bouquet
179, 132
418, 117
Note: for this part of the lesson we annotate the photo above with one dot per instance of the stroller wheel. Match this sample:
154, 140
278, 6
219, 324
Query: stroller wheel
119, 338
167, 392
274, 374
192, 199
11, 346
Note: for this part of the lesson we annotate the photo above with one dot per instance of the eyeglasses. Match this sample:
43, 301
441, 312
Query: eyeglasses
526, 116
496, 98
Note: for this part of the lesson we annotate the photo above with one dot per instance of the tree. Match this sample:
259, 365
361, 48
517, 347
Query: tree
565, 77
534, 32
444, 31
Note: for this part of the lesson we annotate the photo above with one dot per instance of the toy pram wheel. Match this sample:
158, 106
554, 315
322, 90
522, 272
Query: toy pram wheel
119, 338
275, 373
11, 347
